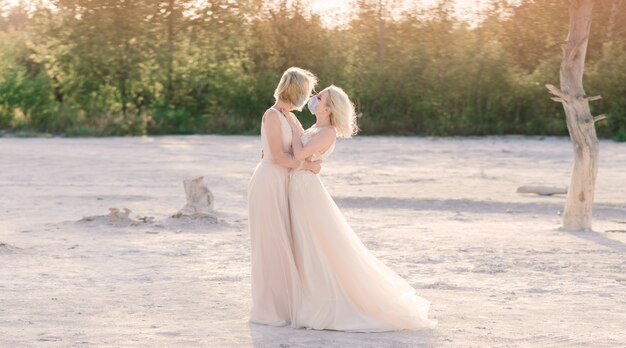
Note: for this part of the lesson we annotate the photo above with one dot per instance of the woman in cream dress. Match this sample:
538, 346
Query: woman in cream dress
274, 280
343, 286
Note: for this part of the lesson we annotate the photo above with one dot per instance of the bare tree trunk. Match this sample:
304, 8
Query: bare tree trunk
580, 123
199, 200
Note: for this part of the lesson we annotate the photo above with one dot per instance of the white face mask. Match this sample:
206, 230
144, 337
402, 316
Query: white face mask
312, 104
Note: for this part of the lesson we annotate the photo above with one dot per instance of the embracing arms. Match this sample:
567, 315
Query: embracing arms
320, 141
274, 139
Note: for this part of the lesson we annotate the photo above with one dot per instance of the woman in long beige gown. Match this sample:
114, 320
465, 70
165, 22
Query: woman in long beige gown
274, 276
343, 285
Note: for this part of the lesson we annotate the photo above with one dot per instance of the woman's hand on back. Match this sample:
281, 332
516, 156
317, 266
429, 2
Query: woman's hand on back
313, 166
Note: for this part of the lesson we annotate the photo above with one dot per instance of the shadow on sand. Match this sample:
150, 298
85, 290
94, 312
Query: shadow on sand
600, 239
270, 336
471, 206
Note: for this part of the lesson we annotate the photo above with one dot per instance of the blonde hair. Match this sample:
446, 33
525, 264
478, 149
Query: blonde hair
342, 112
295, 87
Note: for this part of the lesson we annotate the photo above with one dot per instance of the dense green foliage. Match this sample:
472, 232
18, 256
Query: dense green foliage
112, 67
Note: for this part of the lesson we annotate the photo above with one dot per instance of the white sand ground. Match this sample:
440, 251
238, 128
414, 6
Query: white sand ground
442, 212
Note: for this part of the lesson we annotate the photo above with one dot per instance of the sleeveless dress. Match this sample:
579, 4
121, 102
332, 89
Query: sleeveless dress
273, 271
343, 285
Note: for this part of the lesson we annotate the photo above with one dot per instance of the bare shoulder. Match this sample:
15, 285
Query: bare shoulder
271, 115
271, 112
326, 135
328, 132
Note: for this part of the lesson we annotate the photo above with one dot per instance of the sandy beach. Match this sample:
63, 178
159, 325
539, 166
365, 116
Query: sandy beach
441, 212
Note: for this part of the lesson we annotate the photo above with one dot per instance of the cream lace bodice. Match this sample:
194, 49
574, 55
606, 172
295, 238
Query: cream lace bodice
307, 136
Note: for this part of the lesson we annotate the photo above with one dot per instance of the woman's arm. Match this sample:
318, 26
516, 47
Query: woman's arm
320, 141
296, 123
274, 138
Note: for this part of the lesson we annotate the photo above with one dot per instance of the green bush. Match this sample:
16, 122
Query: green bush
136, 68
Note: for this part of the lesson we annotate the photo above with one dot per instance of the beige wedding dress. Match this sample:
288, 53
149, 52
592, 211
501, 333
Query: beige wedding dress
342, 285
274, 275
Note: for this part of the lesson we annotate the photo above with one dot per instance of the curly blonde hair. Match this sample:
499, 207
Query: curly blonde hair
343, 115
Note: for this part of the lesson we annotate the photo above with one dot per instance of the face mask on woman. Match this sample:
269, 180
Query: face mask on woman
312, 104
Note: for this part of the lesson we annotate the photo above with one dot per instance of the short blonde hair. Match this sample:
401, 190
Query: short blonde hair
295, 87
342, 112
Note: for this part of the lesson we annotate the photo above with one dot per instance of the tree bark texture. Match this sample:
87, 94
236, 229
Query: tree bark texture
577, 214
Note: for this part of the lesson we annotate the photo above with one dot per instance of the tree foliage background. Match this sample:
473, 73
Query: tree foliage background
117, 67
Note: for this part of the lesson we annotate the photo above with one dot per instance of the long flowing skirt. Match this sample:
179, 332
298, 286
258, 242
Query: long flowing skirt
274, 275
343, 285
